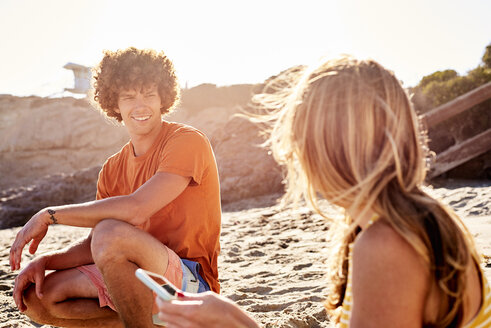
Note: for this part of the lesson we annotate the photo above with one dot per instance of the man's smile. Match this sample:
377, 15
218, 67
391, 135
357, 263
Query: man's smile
141, 118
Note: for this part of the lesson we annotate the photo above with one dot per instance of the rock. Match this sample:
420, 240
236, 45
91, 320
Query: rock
40, 137
17, 205
47, 144
246, 169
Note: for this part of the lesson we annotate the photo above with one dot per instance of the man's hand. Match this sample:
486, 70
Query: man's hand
33, 273
34, 230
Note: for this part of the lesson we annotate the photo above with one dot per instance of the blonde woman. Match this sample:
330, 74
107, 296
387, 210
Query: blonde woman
346, 130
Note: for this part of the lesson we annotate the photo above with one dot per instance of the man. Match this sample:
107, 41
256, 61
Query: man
157, 208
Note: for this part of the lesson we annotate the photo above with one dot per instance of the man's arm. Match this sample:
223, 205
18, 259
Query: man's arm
135, 209
76, 254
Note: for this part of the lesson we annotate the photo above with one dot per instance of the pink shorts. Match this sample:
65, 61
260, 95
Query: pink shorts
173, 273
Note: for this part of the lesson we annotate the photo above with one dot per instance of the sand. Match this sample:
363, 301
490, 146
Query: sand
273, 261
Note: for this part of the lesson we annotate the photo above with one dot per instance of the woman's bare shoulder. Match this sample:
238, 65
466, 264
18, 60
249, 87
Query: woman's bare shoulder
381, 242
390, 279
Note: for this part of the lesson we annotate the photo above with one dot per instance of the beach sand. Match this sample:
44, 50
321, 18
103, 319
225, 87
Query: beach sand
273, 261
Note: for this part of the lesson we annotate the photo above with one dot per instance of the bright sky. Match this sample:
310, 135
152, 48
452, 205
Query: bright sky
237, 41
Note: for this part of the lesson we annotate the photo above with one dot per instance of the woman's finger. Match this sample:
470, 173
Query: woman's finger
179, 307
177, 321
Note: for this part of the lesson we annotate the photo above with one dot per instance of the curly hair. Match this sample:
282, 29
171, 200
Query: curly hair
133, 68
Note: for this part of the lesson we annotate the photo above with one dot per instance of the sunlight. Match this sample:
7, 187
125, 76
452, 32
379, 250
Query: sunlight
227, 43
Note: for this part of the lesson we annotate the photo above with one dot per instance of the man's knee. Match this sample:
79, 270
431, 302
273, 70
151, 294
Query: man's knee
53, 292
109, 238
35, 306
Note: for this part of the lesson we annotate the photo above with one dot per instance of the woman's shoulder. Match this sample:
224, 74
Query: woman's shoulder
390, 278
381, 241
380, 252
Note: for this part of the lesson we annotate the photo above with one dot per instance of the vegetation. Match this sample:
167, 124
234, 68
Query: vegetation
442, 86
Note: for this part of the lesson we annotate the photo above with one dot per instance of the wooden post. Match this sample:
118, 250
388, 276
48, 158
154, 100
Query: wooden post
461, 153
468, 149
458, 105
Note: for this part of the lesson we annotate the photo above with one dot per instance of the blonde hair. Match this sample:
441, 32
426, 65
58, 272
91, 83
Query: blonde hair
346, 129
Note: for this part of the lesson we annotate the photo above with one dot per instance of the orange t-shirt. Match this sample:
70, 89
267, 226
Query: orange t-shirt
190, 224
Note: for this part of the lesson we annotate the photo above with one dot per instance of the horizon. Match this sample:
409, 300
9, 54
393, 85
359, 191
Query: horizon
224, 43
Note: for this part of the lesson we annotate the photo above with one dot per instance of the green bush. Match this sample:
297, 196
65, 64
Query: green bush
443, 86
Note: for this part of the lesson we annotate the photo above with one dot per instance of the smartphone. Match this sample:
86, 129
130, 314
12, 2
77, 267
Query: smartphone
159, 284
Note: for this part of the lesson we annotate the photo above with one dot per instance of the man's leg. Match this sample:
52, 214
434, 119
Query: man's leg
118, 249
70, 300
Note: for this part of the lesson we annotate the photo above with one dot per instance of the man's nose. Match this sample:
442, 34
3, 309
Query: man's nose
139, 101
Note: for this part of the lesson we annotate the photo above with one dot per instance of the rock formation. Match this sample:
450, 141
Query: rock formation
51, 149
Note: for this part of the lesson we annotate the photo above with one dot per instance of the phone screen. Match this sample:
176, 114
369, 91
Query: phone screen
158, 284
161, 281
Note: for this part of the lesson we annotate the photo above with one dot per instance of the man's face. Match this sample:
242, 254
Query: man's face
140, 109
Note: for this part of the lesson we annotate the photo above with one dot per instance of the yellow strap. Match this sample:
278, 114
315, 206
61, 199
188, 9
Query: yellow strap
372, 220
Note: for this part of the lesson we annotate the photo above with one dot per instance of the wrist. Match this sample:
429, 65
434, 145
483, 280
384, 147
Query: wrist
46, 260
51, 216
43, 260
241, 318
48, 216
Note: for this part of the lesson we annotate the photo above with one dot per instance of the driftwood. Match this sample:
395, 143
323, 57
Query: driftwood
465, 150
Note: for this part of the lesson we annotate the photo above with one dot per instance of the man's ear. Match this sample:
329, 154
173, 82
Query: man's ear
116, 109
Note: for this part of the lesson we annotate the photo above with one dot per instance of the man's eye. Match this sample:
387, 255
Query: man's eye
151, 95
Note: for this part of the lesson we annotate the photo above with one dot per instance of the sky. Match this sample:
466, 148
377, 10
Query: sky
236, 41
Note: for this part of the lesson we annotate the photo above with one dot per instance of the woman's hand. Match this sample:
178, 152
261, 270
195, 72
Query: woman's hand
34, 230
203, 310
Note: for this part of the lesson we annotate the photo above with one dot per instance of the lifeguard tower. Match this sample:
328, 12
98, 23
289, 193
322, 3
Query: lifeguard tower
82, 78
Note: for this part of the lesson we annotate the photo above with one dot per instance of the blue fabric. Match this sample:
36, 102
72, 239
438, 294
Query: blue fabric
195, 267
187, 278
